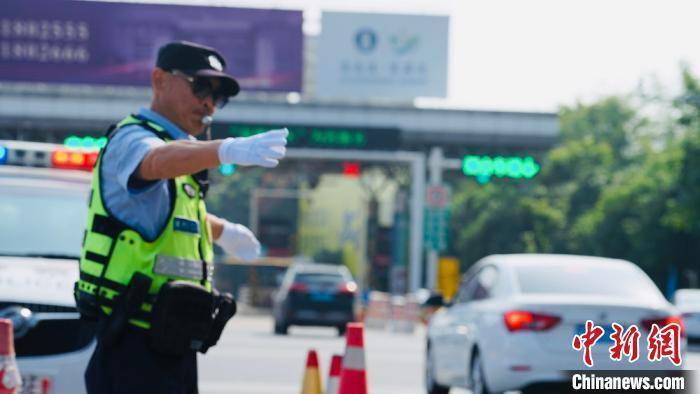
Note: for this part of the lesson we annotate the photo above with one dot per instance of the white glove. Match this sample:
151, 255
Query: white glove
239, 241
263, 149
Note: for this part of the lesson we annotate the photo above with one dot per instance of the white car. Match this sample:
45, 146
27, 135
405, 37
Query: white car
688, 303
42, 217
513, 321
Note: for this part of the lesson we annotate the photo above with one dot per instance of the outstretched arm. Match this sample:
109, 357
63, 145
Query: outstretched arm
179, 158
184, 157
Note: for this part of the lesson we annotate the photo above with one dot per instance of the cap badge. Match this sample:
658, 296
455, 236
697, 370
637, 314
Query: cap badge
215, 63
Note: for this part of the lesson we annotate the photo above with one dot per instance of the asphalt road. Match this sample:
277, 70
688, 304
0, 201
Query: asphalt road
251, 360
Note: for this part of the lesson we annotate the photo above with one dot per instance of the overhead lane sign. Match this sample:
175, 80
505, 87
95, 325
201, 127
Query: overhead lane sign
321, 137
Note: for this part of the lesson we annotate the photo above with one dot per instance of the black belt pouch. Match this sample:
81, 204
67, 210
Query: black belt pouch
182, 318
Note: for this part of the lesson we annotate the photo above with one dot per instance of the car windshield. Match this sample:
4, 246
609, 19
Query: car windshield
615, 280
688, 298
38, 221
319, 279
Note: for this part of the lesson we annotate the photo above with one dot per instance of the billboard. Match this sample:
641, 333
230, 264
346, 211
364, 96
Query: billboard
365, 56
103, 43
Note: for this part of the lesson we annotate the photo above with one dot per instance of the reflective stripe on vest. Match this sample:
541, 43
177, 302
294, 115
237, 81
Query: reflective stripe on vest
178, 267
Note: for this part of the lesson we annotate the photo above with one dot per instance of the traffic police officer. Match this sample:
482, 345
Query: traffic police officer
146, 264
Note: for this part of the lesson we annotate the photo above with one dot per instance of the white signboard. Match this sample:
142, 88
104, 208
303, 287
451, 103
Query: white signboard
382, 56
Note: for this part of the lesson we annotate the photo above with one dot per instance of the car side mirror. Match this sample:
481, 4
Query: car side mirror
435, 300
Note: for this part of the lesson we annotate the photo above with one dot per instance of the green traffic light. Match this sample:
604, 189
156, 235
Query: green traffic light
88, 142
73, 142
227, 169
485, 167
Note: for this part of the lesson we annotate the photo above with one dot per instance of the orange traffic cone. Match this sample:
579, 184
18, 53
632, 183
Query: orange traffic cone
10, 380
312, 377
353, 378
333, 383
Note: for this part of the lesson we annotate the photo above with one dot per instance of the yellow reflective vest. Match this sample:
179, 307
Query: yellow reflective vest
112, 251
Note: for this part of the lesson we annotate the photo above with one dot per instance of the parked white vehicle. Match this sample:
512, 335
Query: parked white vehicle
513, 320
688, 303
43, 213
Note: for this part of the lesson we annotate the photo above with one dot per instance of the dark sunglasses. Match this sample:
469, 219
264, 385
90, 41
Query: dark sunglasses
202, 88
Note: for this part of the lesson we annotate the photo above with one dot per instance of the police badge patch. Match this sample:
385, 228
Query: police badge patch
189, 190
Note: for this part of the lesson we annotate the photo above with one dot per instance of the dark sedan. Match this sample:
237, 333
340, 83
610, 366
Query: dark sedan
315, 295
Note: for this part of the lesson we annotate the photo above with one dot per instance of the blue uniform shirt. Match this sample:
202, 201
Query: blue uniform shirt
145, 207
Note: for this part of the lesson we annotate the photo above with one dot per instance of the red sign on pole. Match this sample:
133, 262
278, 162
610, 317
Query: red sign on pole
437, 196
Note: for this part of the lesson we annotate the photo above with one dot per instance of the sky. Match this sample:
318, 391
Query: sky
536, 55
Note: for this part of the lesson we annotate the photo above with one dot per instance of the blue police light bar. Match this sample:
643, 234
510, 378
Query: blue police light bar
26, 153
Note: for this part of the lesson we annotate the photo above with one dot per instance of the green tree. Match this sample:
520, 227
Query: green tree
616, 185
502, 218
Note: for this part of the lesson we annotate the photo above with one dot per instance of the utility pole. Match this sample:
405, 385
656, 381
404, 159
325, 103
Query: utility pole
435, 179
